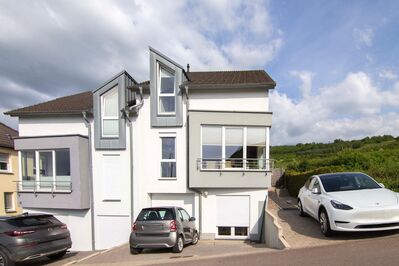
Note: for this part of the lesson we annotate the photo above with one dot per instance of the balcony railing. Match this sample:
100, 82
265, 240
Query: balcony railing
44, 186
238, 164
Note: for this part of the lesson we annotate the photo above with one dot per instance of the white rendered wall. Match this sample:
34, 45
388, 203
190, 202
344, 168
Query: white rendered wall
78, 222
52, 126
209, 208
242, 100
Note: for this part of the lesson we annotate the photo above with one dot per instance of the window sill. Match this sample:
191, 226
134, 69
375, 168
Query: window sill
11, 211
167, 178
45, 191
6, 172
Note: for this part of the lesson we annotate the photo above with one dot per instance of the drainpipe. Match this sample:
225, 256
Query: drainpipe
91, 190
126, 112
185, 88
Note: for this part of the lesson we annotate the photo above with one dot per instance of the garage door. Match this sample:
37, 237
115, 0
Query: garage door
232, 216
186, 201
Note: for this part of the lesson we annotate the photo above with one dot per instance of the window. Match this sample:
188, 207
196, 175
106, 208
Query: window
156, 214
4, 162
211, 147
184, 215
9, 201
168, 160
54, 169
234, 147
110, 113
228, 147
224, 231
166, 91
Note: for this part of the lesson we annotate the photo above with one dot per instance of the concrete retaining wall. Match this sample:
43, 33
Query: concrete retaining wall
273, 236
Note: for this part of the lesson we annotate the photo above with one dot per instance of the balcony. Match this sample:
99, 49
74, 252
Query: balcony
64, 186
235, 164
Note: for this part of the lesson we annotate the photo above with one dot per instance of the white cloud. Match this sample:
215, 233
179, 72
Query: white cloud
347, 110
363, 36
68, 46
306, 78
387, 74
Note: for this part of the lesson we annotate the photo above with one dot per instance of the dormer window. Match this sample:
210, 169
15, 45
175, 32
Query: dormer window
110, 114
166, 91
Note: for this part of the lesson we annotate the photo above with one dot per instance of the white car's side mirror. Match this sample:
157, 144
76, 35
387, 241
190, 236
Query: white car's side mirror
381, 184
316, 190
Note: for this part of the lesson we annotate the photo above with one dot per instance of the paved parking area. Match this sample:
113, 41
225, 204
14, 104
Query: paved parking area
302, 232
204, 249
68, 258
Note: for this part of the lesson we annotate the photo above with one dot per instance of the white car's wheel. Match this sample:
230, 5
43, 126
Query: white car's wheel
324, 223
300, 208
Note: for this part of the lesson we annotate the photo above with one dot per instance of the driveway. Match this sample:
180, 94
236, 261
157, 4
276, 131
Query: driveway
68, 258
204, 249
302, 232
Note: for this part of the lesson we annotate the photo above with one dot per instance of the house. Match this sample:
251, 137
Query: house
199, 140
8, 172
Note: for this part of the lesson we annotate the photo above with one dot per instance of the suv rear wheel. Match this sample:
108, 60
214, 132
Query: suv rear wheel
5, 260
178, 247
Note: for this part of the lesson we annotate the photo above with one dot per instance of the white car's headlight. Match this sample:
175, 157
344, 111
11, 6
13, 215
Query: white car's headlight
340, 206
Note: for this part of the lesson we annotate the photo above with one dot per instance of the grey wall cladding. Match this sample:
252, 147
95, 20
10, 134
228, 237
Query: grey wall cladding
122, 81
165, 120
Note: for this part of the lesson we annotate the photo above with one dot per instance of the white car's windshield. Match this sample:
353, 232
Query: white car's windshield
347, 181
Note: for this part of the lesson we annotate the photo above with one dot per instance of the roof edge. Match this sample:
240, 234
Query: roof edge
265, 85
166, 57
113, 78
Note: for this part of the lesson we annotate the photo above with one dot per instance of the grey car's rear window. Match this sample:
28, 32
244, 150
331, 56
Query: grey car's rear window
33, 221
156, 214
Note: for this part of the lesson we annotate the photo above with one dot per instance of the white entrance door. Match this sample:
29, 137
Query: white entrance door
232, 217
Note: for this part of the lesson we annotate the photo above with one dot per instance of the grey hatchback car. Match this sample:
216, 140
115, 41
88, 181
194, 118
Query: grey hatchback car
30, 236
163, 227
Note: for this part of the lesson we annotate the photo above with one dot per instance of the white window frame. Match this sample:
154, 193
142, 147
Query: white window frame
232, 235
167, 135
12, 202
159, 94
7, 161
244, 168
37, 175
104, 117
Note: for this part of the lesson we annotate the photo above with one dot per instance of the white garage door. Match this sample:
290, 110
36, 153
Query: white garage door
232, 210
186, 201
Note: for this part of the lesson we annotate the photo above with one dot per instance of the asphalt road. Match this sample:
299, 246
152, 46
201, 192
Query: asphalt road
382, 251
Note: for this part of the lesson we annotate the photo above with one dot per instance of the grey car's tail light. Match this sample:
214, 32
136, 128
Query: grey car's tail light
19, 233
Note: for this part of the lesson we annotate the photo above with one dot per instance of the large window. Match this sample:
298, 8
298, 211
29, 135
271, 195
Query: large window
4, 162
54, 170
168, 160
232, 147
166, 91
110, 114
9, 202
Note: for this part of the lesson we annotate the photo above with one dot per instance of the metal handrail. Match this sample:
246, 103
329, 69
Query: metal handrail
244, 164
43, 186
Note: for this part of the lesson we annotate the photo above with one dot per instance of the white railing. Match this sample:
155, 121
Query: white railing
235, 164
44, 186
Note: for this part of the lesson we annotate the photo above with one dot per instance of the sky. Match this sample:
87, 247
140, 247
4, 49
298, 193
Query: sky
336, 62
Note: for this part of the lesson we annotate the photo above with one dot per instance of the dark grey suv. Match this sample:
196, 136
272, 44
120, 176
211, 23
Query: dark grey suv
31, 236
163, 227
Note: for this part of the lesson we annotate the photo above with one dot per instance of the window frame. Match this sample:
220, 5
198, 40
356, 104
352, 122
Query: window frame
12, 209
160, 67
223, 155
232, 233
7, 161
37, 186
162, 136
114, 89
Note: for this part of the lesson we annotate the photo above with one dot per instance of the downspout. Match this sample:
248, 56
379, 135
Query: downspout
126, 112
91, 190
188, 163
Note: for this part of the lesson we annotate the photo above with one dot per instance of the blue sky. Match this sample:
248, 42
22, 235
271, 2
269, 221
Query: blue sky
335, 62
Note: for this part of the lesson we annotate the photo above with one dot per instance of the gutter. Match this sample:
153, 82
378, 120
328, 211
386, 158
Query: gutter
126, 112
91, 192
185, 89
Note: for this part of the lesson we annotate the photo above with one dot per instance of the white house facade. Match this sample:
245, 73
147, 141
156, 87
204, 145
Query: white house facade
199, 140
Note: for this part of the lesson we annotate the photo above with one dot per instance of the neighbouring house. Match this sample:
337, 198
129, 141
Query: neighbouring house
199, 140
8, 172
